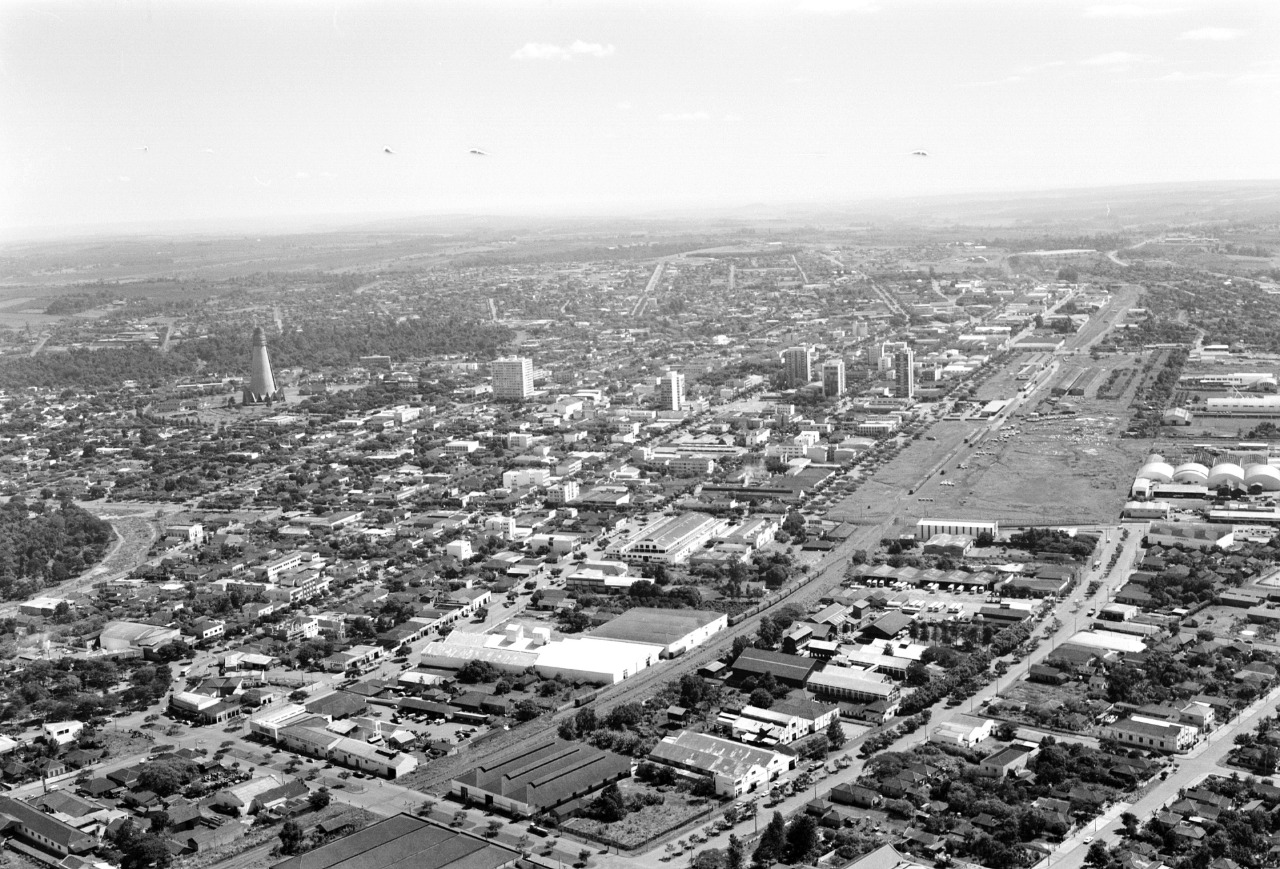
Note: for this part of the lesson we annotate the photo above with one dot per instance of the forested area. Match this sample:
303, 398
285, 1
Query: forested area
1059, 242
317, 345
42, 543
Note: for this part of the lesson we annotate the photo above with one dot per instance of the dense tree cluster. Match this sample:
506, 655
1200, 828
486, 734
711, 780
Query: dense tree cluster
42, 544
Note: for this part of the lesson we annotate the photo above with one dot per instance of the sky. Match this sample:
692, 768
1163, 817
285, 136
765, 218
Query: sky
127, 112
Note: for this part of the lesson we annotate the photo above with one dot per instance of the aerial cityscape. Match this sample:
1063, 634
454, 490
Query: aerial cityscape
584, 466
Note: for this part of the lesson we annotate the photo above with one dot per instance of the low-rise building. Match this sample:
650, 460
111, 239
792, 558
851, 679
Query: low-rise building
735, 768
550, 776
1151, 734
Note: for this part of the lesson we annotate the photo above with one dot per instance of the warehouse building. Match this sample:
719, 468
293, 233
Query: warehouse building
550, 776
735, 768
669, 540
677, 631
927, 528
403, 839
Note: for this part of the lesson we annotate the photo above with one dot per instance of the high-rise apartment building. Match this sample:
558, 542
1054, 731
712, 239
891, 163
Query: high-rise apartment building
833, 384
513, 378
671, 391
798, 364
904, 374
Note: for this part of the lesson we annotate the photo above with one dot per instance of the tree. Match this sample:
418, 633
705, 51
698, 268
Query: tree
608, 806
802, 839
835, 734
761, 699
290, 837
736, 855
319, 799
1006, 731
1098, 855
493, 829
692, 690
773, 842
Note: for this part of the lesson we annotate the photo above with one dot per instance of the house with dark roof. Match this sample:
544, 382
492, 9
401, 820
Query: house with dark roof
549, 776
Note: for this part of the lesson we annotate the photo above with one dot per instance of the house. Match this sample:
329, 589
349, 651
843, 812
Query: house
240, 799
401, 841
1006, 760
964, 732
62, 732
276, 797
849, 794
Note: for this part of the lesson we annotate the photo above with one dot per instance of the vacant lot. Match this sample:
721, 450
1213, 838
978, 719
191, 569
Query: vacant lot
647, 823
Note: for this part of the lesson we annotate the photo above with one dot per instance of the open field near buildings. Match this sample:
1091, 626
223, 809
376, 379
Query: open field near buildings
1071, 471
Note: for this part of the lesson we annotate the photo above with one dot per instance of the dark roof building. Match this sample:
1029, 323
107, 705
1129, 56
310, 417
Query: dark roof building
550, 775
33, 827
888, 626
404, 842
792, 670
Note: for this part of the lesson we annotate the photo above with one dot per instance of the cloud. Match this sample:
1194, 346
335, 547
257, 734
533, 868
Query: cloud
1256, 78
684, 116
550, 51
1212, 34
1123, 10
1179, 76
838, 7
301, 175
623, 106
591, 49
1115, 58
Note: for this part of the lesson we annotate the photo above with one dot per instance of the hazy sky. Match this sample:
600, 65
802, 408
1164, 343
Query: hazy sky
118, 112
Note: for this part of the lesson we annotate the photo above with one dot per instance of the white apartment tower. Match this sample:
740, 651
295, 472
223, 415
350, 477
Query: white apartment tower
513, 378
833, 384
671, 391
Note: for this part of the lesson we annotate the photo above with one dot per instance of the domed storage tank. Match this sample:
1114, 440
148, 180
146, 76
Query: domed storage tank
1226, 474
1264, 476
1160, 472
1191, 472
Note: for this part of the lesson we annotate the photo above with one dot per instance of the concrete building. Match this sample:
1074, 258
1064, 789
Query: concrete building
833, 380
797, 362
34, 828
671, 391
1151, 734
735, 768
512, 378
122, 636
964, 732
548, 776
262, 384
668, 540
904, 373
927, 528
852, 683
780, 724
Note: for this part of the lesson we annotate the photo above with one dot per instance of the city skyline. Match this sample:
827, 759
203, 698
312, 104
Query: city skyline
127, 115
